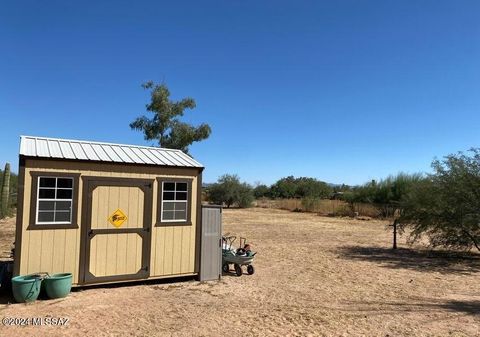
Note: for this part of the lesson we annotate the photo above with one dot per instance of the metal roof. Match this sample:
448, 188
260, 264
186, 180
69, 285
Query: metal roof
106, 152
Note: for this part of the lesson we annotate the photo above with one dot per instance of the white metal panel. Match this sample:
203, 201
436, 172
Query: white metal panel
132, 155
99, 150
190, 160
42, 148
161, 155
112, 154
66, 150
172, 158
161, 158
151, 155
54, 149
182, 159
78, 151
123, 156
88, 149
28, 146
138, 152
106, 152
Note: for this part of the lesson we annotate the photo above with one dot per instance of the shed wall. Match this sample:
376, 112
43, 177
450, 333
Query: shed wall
58, 250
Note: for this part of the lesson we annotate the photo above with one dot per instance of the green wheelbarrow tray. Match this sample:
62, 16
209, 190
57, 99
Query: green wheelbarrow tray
229, 256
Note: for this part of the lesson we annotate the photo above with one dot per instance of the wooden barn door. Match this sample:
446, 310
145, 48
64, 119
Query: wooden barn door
116, 222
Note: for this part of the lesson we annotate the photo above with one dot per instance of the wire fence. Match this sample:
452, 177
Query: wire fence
329, 207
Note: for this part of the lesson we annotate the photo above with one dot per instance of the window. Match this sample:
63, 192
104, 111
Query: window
54, 200
55, 196
174, 202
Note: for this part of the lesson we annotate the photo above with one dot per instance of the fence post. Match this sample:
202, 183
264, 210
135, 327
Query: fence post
395, 234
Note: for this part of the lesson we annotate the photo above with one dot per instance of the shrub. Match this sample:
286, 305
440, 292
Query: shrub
230, 191
309, 204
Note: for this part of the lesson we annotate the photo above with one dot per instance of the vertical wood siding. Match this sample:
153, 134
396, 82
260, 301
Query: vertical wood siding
58, 250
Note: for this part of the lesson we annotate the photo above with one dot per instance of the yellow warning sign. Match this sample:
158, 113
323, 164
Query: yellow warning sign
117, 218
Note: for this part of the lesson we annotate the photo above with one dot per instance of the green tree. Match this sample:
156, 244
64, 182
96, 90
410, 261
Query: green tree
165, 125
261, 191
291, 187
284, 188
312, 188
230, 191
445, 207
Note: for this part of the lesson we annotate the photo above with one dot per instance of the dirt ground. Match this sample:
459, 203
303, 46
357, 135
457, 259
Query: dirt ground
315, 276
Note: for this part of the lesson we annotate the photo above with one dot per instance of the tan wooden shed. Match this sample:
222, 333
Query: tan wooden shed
107, 212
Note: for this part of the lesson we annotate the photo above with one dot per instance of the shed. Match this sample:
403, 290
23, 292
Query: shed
108, 212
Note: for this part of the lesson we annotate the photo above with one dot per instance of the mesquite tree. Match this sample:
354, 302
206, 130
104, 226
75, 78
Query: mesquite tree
446, 205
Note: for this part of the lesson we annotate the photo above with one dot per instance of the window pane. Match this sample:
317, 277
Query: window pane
180, 215
62, 216
47, 182
65, 182
63, 205
168, 215
46, 205
181, 196
168, 195
180, 206
46, 193
182, 187
168, 206
168, 186
45, 216
64, 194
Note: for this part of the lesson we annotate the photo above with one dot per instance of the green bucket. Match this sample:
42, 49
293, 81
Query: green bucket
58, 285
26, 288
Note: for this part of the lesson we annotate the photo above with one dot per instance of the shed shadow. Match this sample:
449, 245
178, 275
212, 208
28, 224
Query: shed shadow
419, 260
6, 297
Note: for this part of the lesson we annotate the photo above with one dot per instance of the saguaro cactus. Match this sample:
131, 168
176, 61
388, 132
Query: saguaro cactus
5, 191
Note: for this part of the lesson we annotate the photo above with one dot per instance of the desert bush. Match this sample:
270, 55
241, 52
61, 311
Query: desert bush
386, 195
230, 191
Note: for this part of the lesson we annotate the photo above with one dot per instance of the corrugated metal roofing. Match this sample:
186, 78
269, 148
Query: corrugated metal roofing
106, 152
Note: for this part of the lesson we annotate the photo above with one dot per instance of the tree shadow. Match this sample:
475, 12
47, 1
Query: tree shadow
418, 260
416, 306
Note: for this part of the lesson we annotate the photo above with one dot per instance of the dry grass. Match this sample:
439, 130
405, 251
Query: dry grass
315, 276
7, 234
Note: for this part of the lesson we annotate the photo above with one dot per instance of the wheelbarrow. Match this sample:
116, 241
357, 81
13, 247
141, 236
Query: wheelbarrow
239, 257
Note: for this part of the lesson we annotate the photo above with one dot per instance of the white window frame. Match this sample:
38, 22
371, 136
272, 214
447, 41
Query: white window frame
37, 211
174, 200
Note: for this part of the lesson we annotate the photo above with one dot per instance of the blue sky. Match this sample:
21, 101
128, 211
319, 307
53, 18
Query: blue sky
344, 91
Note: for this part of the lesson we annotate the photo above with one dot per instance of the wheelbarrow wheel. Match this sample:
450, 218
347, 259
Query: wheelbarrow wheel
250, 269
238, 270
225, 268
